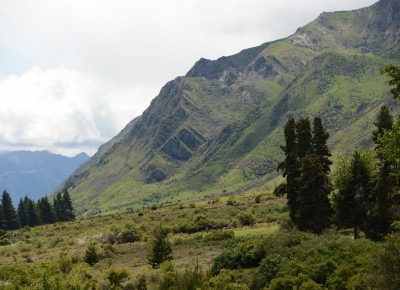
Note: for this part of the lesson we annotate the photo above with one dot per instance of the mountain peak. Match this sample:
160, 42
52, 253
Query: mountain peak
374, 29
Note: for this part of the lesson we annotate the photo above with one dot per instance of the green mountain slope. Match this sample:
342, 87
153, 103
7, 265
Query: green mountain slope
217, 130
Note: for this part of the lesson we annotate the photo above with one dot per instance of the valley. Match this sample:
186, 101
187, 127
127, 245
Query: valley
274, 168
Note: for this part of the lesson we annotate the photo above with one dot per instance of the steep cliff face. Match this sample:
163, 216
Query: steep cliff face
217, 130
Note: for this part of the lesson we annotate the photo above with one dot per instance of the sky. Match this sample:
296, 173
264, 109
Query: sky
74, 73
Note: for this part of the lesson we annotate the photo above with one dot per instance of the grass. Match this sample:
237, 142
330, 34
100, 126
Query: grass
260, 230
43, 244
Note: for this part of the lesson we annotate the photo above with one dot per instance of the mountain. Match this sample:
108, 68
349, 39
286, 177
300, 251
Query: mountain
217, 130
35, 173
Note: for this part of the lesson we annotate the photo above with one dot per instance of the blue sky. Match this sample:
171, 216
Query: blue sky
74, 73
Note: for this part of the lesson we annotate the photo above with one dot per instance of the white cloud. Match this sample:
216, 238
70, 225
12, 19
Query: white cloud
119, 54
61, 110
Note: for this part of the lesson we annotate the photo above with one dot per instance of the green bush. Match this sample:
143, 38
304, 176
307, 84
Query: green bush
116, 276
246, 219
239, 253
386, 264
91, 257
227, 280
128, 236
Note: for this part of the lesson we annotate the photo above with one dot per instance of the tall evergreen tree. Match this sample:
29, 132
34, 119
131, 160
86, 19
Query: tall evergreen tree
319, 141
352, 202
314, 209
383, 123
385, 183
10, 215
69, 214
290, 166
2, 220
394, 73
58, 207
302, 147
160, 248
33, 215
22, 211
46, 211
304, 138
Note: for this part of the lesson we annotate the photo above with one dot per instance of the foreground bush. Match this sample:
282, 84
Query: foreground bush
293, 259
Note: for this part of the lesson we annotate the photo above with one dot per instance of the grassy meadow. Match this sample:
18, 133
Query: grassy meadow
198, 230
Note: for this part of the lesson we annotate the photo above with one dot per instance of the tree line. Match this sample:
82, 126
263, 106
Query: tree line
365, 195
31, 213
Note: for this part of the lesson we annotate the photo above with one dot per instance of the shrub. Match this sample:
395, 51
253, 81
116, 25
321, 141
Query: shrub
116, 276
108, 251
239, 253
227, 280
246, 219
386, 264
91, 257
141, 283
128, 236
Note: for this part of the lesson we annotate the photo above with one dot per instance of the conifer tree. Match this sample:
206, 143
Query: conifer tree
68, 209
383, 123
10, 215
319, 141
290, 166
352, 202
160, 248
58, 207
394, 73
91, 257
314, 209
22, 211
33, 216
304, 138
2, 220
380, 217
301, 143
46, 211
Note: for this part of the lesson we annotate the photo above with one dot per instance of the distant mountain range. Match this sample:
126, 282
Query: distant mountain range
35, 173
217, 130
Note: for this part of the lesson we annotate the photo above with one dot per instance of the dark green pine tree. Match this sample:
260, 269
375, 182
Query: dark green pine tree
394, 73
58, 207
10, 215
383, 123
2, 220
33, 215
160, 248
69, 214
290, 167
319, 141
22, 211
352, 206
46, 211
304, 138
314, 209
385, 183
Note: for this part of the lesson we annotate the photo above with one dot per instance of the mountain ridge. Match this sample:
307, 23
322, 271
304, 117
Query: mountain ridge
217, 130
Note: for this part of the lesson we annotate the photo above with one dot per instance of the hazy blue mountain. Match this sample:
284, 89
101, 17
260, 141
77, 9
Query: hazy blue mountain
35, 173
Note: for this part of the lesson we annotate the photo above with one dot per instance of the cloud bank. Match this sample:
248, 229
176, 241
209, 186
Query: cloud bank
61, 110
